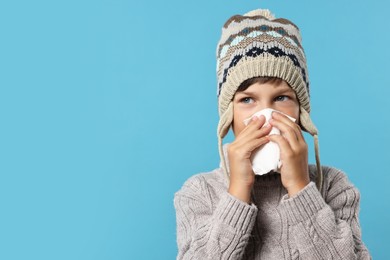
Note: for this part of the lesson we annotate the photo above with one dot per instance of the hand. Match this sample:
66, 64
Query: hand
293, 153
239, 154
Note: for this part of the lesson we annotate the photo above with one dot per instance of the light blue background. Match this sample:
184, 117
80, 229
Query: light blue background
107, 107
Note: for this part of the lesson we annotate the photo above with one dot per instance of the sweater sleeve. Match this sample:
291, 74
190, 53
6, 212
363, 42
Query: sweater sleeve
207, 232
327, 229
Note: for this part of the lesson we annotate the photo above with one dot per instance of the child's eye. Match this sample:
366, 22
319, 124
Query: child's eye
246, 100
281, 98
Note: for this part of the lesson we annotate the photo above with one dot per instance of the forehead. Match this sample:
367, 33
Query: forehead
279, 85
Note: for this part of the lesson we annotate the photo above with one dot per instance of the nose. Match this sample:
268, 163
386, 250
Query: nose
264, 104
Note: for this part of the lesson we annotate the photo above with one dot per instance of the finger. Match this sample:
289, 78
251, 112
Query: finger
258, 120
287, 132
256, 143
284, 146
283, 118
255, 123
264, 130
253, 135
245, 149
249, 147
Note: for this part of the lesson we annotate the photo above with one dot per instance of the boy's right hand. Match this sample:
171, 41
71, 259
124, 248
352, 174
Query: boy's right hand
239, 154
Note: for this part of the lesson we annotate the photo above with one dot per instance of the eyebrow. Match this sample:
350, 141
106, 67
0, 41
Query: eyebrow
286, 89
279, 89
245, 92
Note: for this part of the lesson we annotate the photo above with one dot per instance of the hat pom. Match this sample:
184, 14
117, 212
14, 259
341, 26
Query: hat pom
261, 12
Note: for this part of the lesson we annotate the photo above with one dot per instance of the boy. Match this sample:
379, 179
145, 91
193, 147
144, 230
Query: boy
298, 211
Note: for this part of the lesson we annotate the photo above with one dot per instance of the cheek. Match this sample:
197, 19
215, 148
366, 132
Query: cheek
239, 115
296, 114
291, 110
237, 127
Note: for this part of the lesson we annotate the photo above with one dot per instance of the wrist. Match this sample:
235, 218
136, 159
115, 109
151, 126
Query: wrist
296, 188
241, 191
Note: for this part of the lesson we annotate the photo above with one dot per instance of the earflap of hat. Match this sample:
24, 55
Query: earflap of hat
306, 122
225, 121
309, 127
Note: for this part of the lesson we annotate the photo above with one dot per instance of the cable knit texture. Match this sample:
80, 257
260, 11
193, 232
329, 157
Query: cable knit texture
212, 224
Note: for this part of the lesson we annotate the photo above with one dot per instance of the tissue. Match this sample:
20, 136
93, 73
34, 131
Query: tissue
267, 157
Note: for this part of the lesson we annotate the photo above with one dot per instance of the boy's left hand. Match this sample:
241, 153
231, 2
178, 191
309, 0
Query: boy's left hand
293, 153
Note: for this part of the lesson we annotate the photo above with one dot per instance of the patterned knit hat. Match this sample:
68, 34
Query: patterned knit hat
257, 44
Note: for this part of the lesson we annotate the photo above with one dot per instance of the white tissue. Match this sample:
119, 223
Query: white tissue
267, 157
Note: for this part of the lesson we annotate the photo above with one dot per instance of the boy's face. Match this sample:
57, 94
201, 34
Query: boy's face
277, 95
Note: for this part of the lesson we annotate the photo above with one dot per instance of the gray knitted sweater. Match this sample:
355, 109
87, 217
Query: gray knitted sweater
212, 224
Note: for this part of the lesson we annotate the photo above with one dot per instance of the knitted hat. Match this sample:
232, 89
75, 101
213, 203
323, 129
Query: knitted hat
257, 44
